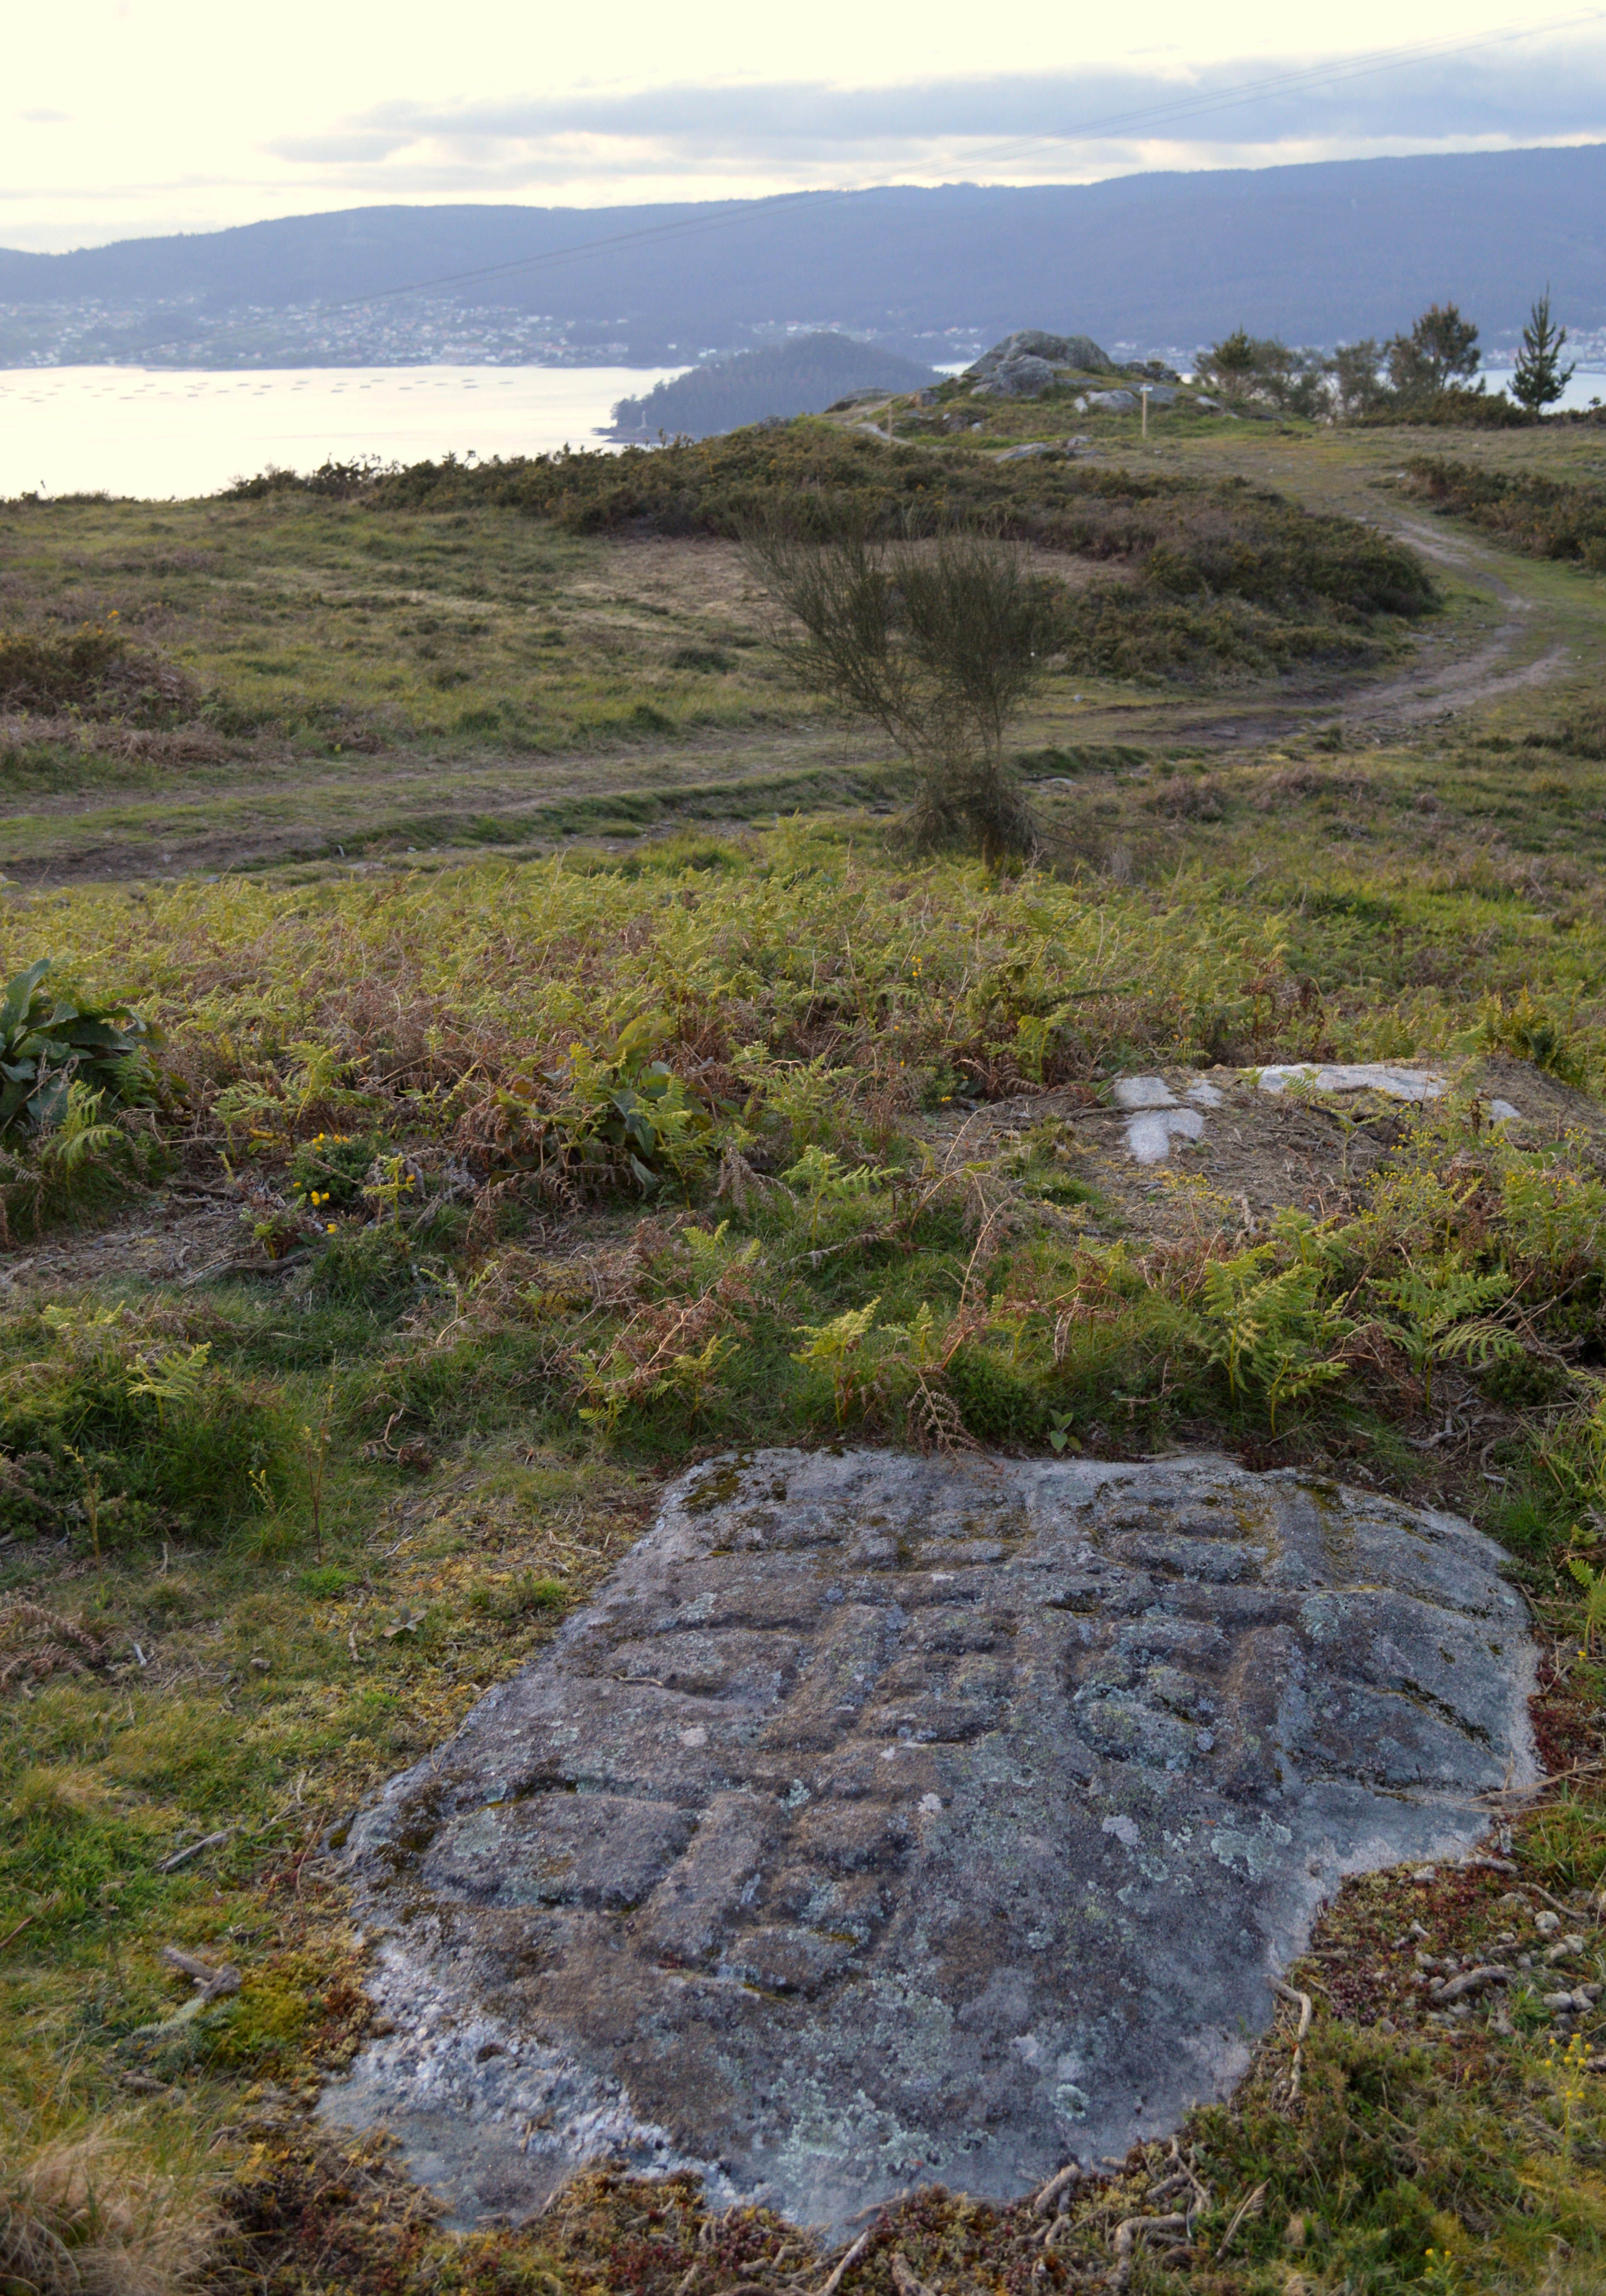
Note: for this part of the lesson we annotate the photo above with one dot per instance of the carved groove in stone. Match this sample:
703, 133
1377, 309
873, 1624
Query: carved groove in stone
886, 1821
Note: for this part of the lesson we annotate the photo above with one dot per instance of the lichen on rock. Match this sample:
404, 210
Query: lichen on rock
889, 1821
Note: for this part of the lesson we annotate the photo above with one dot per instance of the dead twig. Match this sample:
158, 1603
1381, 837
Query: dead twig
1200, 2192
1249, 2207
1306, 2008
1133, 2229
1501, 1798
904, 2278
208, 1842
848, 2262
1070, 2174
214, 1983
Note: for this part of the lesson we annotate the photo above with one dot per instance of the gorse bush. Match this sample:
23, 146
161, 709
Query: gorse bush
939, 646
1218, 575
1216, 545
831, 483
1542, 516
51, 670
93, 670
333, 481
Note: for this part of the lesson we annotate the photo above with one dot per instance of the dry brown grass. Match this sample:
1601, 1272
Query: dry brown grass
35, 1643
87, 2216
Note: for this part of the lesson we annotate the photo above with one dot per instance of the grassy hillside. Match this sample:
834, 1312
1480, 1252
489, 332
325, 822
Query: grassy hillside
479, 1188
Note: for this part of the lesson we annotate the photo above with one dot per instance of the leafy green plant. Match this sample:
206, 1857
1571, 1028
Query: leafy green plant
48, 1043
1530, 1029
171, 1376
1553, 1214
675, 1347
82, 1161
275, 1227
819, 1178
82, 1137
838, 1348
1267, 1331
804, 1096
133, 1426
619, 1114
1594, 1600
1443, 1312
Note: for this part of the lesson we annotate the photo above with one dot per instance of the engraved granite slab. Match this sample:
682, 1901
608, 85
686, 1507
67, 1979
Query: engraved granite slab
888, 1820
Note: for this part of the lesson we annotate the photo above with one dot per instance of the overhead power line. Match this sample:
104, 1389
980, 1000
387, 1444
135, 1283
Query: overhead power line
724, 217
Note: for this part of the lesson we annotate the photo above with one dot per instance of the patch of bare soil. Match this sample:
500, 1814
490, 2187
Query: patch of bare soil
171, 1236
1259, 1153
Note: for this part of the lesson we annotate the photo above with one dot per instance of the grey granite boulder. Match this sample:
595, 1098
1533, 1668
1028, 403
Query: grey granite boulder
1112, 401
886, 1820
1079, 351
1023, 377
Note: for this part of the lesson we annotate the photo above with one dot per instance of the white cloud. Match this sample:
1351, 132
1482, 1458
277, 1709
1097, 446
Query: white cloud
182, 115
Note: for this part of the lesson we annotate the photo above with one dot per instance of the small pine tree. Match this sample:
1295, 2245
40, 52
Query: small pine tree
1358, 387
1539, 380
1231, 363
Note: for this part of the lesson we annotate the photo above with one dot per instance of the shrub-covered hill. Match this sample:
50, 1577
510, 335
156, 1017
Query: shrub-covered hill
1222, 574
1528, 510
801, 377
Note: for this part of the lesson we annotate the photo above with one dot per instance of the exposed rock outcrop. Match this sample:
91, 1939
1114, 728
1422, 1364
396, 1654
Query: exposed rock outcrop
888, 1820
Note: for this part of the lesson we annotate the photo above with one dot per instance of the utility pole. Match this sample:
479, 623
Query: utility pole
1144, 395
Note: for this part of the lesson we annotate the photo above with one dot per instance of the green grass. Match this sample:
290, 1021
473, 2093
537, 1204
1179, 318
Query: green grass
420, 1379
338, 628
1543, 516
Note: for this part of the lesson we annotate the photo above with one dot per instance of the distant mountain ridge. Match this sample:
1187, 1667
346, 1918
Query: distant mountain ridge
1314, 253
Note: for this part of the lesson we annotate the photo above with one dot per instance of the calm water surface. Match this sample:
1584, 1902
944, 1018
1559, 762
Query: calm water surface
134, 430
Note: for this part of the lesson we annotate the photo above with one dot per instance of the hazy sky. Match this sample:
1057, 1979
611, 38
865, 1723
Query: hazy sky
124, 117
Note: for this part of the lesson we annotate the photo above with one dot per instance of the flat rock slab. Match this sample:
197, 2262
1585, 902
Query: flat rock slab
887, 1821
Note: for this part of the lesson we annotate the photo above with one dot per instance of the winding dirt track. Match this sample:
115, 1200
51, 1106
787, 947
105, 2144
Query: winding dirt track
1426, 692
182, 834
